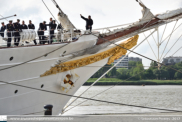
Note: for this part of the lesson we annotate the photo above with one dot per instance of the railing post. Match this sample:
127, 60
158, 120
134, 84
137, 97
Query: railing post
48, 109
49, 36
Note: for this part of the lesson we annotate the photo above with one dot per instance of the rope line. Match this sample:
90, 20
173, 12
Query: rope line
150, 46
173, 45
163, 32
177, 51
170, 34
50, 11
142, 56
99, 93
34, 58
168, 40
90, 98
108, 70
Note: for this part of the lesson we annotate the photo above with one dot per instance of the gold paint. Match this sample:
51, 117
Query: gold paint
63, 88
115, 53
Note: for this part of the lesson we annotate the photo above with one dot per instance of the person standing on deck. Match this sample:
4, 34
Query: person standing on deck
42, 28
50, 24
53, 27
17, 29
3, 28
10, 30
89, 22
24, 26
31, 26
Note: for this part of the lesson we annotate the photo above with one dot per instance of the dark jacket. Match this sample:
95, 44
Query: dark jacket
10, 27
50, 25
89, 22
24, 26
42, 26
3, 28
54, 26
59, 26
17, 27
31, 26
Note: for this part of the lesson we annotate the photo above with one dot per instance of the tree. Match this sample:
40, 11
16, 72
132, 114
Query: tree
153, 65
112, 73
156, 73
178, 75
148, 74
164, 74
122, 73
138, 71
131, 64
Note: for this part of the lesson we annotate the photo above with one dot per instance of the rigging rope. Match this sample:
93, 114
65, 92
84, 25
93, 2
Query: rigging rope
110, 68
177, 50
83, 97
150, 46
107, 70
173, 45
163, 32
170, 34
99, 93
168, 39
89, 98
50, 11
142, 55
34, 58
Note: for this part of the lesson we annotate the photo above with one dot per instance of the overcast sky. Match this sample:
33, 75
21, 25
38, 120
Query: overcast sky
104, 13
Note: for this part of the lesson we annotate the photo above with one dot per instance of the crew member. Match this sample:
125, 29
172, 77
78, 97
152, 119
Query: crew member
59, 27
42, 28
53, 27
10, 30
89, 22
31, 26
24, 26
17, 29
3, 28
50, 23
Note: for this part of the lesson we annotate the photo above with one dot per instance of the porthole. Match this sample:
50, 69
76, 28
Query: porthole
16, 91
11, 58
45, 55
42, 85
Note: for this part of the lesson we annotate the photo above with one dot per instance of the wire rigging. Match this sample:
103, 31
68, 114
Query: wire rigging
141, 55
50, 11
168, 39
88, 98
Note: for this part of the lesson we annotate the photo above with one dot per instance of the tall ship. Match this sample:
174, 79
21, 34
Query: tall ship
32, 76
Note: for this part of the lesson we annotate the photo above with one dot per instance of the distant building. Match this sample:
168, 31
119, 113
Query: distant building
124, 62
171, 60
135, 59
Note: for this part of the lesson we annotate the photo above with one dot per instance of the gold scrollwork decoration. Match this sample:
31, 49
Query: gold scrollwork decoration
114, 53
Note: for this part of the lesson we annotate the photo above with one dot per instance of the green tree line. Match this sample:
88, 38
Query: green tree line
137, 70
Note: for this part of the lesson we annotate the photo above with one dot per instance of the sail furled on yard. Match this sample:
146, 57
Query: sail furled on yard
63, 18
147, 14
65, 22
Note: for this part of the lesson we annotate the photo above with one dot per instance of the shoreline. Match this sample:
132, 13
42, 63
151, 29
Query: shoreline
114, 81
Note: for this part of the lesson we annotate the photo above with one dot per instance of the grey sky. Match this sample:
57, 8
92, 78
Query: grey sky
104, 13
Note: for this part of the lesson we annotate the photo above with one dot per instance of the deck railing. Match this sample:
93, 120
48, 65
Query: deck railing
28, 36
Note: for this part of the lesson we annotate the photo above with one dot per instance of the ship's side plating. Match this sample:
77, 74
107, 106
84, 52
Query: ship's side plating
19, 100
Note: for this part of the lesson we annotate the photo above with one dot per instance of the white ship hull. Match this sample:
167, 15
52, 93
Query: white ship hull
30, 101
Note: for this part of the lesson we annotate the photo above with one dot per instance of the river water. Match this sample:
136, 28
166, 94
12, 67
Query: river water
168, 97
